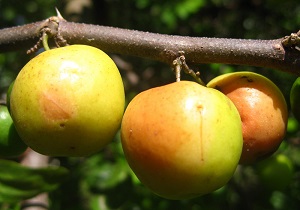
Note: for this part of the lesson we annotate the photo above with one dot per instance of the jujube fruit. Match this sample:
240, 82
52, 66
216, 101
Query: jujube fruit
68, 101
182, 140
11, 144
262, 108
8, 95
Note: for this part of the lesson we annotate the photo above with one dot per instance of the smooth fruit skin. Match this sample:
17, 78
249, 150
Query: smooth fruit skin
182, 140
295, 99
68, 101
275, 172
11, 144
8, 95
262, 108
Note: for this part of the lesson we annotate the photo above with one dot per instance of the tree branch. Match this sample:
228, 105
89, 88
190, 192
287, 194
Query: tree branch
164, 48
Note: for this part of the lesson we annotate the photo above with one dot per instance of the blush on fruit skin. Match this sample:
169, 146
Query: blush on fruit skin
55, 106
263, 112
182, 140
68, 101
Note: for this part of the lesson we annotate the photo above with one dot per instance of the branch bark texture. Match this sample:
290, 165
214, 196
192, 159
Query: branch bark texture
161, 47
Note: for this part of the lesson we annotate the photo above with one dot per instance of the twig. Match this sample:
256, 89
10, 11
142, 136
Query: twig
180, 64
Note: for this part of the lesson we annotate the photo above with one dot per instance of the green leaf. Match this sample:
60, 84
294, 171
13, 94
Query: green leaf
18, 182
107, 175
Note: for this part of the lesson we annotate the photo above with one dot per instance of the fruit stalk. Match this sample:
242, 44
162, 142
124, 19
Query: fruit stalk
180, 64
45, 41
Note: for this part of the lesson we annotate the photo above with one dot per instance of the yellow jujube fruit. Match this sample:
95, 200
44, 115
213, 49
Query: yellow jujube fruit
68, 101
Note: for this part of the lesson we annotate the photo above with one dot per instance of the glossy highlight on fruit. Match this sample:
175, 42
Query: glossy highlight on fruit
262, 108
11, 144
68, 101
182, 140
295, 99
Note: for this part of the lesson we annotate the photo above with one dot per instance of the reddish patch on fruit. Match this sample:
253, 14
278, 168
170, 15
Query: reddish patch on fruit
55, 106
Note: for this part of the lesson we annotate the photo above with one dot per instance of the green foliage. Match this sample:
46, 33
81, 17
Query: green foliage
18, 182
171, 11
14, 13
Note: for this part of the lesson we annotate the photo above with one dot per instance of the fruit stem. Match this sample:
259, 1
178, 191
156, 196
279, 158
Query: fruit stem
45, 41
180, 64
177, 69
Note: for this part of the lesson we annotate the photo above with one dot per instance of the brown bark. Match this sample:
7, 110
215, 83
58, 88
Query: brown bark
164, 48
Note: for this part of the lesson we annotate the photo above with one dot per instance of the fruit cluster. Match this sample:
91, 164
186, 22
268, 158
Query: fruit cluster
182, 140
195, 136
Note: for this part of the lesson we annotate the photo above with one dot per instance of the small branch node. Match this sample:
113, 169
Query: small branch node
180, 64
292, 41
50, 29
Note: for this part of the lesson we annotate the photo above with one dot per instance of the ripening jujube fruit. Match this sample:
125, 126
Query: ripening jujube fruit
262, 108
182, 140
68, 101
